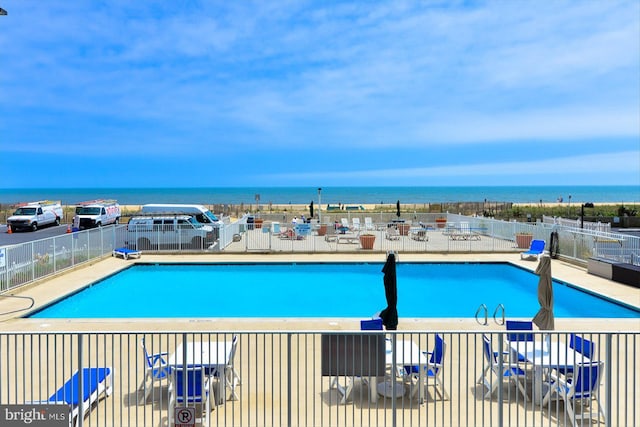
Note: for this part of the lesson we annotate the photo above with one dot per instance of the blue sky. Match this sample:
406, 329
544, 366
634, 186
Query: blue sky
280, 93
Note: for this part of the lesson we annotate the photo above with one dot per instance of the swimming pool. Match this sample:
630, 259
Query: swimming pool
308, 290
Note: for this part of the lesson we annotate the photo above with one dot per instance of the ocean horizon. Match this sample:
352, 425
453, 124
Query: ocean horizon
622, 194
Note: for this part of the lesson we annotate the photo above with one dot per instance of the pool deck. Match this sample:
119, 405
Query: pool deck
49, 290
46, 291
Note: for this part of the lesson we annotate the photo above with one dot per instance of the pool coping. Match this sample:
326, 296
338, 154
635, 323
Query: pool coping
45, 292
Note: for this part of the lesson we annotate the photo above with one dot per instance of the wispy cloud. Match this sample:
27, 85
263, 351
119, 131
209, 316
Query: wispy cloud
608, 163
265, 76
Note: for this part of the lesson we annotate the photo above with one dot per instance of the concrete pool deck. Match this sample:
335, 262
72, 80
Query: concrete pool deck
123, 403
46, 291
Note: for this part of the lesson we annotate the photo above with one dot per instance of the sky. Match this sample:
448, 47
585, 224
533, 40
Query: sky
187, 93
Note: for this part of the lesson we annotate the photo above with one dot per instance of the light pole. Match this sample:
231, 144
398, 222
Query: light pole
584, 205
319, 206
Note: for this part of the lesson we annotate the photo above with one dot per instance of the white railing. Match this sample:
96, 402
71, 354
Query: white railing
337, 378
27, 262
577, 223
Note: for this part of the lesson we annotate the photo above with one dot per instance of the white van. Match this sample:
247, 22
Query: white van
199, 212
96, 213
168, 232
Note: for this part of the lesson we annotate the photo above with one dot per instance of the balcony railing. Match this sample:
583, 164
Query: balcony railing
301, 378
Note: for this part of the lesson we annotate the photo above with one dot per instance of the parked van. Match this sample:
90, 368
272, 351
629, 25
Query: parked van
199, 212
168, 232
96, 213
35, 214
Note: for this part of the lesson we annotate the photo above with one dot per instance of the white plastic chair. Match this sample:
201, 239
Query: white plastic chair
157, 369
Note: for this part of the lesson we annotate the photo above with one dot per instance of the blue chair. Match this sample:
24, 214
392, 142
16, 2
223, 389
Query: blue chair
197, 388
95, 382
157, 369
371, 324
582, 346
535, 249
434, 368
519, 325
578, 391
493, 375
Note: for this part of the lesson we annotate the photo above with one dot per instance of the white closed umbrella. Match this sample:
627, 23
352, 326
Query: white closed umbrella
544, 318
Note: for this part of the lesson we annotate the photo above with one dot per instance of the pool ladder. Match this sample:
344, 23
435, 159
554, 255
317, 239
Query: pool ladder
483, 309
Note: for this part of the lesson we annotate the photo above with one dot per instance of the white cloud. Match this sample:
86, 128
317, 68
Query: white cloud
580, 165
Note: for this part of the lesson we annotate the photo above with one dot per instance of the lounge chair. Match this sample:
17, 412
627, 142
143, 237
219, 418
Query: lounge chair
356, 224
345, 223
197, 392
126, 253
156, 369
494, 376
535, 250
331, 235
392, 233
368, 223
95, 383
348, 237
464, 233
433, 369
419, 233
579, 391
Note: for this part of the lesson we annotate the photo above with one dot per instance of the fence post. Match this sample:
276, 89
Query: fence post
500, 381
80, 420
289, 379
607, 382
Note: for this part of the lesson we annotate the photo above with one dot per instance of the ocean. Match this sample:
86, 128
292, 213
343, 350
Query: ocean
333, 195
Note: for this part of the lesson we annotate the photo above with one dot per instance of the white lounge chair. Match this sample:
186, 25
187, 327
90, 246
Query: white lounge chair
392, 234
368, 224
356, 224
464, 233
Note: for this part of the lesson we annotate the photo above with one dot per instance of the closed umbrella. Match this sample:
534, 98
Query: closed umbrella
389, 315
398, 208
311, 209
544, 318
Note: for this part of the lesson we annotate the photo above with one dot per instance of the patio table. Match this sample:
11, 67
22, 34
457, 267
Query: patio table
407, 354
545, 355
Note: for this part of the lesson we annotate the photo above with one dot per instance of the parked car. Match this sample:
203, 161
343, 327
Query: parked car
168, 232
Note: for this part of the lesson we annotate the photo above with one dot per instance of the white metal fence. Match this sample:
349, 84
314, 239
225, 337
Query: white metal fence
300, 378
31, 261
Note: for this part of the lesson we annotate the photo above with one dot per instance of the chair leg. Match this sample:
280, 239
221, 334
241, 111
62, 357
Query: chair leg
231, 384
147, 390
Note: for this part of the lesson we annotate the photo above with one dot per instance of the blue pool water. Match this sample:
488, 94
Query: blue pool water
321, 290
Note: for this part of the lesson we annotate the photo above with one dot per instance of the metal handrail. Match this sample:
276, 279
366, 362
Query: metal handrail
499, 307
484, 308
